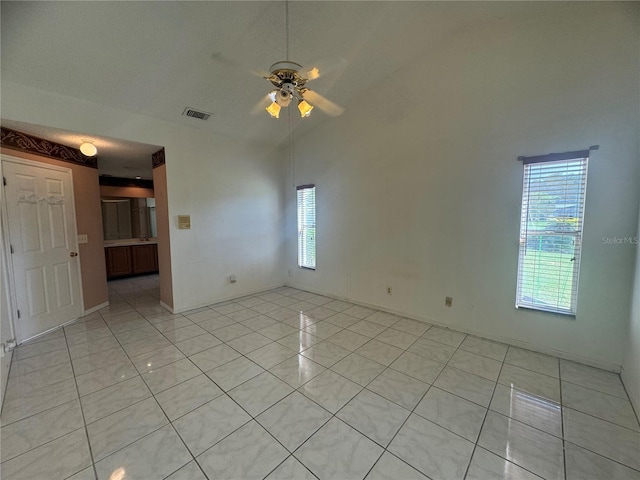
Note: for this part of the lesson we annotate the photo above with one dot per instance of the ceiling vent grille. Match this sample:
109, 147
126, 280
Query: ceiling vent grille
190, 112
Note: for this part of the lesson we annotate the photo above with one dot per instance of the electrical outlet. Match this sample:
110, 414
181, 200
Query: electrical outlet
232, 279
290, 273
389, 291
448, 301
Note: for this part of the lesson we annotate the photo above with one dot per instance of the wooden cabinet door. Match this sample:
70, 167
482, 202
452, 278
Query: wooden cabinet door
118, 261
145, 258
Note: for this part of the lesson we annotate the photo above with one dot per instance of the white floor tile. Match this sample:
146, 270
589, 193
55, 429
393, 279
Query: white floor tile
154, 456
259, 393
453, 413
435, 451
248, 453
374, 416
390, 467
612, 441
338, 451
210, 423
293, 420
523, 445
330, 390
529, 409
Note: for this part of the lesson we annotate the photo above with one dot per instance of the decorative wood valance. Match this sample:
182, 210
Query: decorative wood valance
157, 158
28, 143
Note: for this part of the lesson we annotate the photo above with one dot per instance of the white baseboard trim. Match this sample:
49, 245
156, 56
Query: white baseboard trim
611, 367
167, 307
222, 299
96, 308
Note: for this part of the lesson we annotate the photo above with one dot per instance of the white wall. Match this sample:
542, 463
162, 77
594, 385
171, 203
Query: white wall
232, 190
631, 363
418, 186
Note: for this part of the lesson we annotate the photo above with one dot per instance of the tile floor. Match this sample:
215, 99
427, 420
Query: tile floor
253, 388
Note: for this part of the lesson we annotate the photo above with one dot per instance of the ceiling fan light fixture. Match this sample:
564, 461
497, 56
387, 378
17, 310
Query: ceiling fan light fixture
283, 97
274, 110
88, 149
305, 108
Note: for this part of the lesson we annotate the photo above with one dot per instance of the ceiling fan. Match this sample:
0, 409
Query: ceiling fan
290, 80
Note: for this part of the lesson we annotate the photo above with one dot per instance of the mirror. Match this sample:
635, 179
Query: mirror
125, 218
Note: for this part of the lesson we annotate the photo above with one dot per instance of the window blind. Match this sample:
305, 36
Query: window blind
553, 197
307, 226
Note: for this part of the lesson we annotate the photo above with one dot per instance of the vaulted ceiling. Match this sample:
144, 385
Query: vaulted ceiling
156, 58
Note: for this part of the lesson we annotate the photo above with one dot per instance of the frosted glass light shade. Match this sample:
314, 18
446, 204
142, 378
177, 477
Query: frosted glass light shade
305, 108
88, 149
274, 110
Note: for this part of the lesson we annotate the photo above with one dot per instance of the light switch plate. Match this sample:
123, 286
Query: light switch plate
84, 238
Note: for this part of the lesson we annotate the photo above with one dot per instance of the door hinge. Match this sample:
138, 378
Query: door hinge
11, 246
4, 180
18, 313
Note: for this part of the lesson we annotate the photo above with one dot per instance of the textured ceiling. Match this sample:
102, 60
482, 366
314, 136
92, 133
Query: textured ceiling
156, 58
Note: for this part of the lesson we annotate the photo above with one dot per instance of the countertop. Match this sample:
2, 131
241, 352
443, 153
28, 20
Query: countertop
129, 242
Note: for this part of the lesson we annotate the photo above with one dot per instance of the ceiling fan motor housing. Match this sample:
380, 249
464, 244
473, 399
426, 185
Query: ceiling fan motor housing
285, 94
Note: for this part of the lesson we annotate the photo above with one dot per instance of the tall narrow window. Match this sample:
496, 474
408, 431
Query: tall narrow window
307, 226
551, 221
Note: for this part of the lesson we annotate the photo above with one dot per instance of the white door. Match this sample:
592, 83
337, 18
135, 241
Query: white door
42, 234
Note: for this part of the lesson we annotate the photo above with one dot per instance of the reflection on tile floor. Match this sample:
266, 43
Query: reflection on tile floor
289, 384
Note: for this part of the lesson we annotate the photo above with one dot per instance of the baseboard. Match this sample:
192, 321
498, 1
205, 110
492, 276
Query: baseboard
611, 367
222, 299
5, 365
96, 308
167, 307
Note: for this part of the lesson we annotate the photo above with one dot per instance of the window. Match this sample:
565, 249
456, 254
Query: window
307, 226
553, 197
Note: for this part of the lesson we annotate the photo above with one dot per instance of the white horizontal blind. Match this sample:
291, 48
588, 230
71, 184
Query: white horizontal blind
307, 226
553, 197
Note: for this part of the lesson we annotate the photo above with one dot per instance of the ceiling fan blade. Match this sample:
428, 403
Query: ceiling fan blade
262, 104
232, 63
310, 73
324, 104
261, 73
322, 68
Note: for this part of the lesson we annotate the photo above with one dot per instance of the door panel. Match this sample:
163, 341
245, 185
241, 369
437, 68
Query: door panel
63, 284
36, 291
42, 231
30, 233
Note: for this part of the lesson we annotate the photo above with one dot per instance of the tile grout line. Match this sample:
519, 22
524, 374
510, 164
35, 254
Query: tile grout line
562, 407
153, 395
84, 420
484, 419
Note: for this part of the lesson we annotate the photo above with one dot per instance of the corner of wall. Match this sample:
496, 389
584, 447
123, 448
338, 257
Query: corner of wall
630, 373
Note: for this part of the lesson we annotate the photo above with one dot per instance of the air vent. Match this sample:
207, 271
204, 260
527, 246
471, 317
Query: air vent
190, 112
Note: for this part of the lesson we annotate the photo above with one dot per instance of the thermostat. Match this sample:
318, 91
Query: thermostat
184, 222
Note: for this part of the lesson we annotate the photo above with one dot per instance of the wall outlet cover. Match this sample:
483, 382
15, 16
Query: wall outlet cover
83, 238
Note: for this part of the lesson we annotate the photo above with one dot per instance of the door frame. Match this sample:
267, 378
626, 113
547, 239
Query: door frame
5, 240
